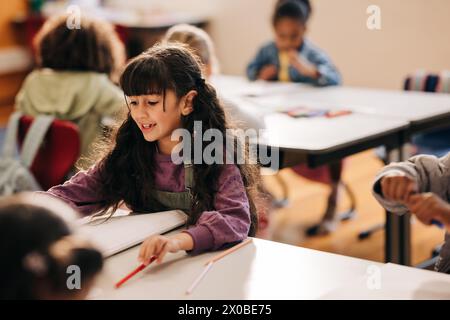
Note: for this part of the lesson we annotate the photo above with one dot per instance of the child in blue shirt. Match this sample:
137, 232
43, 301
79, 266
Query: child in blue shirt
291, 57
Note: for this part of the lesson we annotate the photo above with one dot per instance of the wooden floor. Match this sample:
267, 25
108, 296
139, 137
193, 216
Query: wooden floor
307, 203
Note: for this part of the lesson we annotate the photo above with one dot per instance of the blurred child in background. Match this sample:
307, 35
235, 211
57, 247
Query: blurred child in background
290, 56
74, 79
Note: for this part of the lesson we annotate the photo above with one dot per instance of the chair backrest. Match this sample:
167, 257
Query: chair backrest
58, 153
435, 142
421, 81
428, 82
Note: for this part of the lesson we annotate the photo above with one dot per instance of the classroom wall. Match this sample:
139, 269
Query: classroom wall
413, 35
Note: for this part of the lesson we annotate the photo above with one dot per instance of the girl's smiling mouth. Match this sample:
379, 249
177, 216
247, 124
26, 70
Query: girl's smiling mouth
147, 126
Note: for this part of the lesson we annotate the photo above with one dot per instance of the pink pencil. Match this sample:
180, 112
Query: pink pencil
210, 263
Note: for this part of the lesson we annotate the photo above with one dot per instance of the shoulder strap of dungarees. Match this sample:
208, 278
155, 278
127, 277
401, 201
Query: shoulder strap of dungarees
188, 176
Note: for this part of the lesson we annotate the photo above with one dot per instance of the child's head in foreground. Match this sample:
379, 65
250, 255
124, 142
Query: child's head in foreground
38, 248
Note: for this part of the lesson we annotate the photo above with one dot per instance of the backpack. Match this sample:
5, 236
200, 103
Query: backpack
15, 174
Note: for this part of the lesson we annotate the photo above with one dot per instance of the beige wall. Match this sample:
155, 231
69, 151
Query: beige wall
414, 34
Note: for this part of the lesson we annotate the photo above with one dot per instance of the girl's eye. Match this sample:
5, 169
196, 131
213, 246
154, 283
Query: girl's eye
152, 103
133, 103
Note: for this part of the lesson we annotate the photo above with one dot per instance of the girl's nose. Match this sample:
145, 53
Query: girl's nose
140, 114
142, 110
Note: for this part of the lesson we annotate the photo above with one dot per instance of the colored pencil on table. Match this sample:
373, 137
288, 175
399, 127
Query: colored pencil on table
210, 263
199, 278
231, 250
133, 273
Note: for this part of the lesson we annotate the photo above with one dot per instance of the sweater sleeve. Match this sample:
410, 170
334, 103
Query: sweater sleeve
262, 58
81, 191
431, 174
230, 221
328, 73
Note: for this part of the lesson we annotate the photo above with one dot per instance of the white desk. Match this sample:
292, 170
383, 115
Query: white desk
261, 270
324, 141
396, 282
305, 136
319, 135
407, 105
414, 107
269, 270
422, 110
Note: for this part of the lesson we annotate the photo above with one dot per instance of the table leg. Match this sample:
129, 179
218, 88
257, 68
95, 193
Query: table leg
398, 228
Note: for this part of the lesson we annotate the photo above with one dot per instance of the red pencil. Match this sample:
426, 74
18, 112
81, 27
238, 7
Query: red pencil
337, 113
138, 269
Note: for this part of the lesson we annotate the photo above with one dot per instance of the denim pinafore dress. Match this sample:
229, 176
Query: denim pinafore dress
179, 200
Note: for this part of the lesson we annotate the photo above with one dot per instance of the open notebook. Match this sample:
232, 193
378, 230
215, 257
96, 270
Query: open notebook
124, 230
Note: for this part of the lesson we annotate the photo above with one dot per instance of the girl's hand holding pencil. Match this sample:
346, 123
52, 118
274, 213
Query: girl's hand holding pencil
155, 248
208, 264
133, 273
160, 245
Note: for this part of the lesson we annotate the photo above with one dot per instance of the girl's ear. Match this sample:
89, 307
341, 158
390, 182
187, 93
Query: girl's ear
188, 106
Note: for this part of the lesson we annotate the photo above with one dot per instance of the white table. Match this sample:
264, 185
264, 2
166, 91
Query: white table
320, 135
269, 270
412, 106
320, 142
395, 282
261, 270
316, 141
408, 105
422, 110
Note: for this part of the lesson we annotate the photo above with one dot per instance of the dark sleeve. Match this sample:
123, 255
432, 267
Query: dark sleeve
261, 59
328, 73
